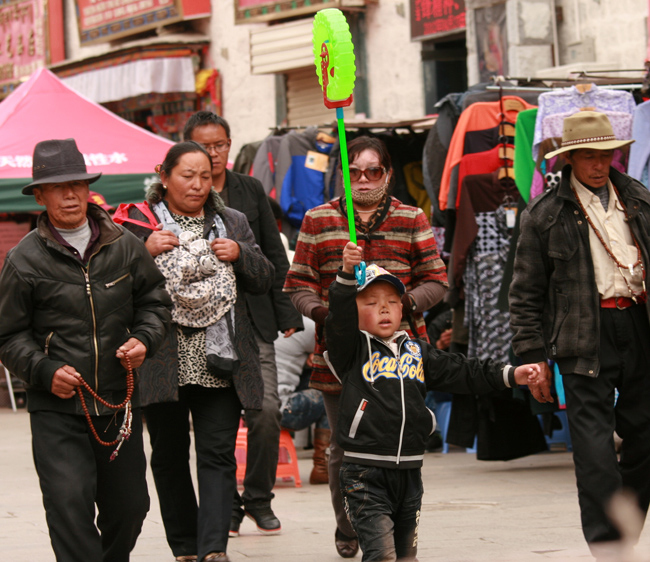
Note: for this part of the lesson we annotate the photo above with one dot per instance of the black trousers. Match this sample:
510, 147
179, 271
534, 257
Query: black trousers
263, 437
75, 475
593, 417
384, 507
191, 528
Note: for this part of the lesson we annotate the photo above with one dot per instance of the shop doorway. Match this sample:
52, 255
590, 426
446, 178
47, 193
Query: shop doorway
444, 65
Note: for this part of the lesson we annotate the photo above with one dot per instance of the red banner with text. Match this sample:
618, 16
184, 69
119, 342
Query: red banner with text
105, 20
22, 39
435, 17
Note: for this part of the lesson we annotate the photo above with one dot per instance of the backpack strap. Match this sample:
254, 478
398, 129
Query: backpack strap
121, 215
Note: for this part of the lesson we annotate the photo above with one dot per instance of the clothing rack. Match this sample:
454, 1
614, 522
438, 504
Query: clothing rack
609, 82
411, 125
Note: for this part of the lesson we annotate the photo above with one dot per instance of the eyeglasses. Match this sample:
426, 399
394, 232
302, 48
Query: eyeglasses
219, 147
372, 174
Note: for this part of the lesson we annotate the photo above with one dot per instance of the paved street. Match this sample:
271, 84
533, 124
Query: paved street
522, 510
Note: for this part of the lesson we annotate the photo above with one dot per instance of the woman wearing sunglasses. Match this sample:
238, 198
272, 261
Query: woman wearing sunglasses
394, 236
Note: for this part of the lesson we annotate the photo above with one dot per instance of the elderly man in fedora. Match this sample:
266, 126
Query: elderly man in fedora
82, 304
578, 298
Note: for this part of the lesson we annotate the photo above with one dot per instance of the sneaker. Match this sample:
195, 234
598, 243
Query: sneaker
266, 521
235, 522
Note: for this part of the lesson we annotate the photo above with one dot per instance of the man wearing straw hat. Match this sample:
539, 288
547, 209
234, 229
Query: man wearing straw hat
578, 298
81, 305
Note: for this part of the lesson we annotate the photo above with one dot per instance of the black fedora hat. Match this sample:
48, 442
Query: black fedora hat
57, 161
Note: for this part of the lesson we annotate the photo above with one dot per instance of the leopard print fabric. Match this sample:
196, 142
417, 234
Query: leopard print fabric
192, 359
200, 299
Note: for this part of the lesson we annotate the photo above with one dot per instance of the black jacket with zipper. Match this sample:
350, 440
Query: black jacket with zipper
54, 311
273, 310
383, 420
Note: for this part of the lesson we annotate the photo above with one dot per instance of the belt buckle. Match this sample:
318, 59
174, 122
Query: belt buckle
616, 303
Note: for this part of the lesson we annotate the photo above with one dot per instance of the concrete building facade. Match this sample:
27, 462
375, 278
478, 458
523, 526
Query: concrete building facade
520, 38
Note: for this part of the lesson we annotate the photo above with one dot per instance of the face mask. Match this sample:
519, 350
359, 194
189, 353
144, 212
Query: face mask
369, 197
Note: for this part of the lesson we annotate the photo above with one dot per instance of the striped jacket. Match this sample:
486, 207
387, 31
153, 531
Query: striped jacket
401, 242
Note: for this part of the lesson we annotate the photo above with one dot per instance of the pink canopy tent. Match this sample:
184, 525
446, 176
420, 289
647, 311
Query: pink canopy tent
45, 108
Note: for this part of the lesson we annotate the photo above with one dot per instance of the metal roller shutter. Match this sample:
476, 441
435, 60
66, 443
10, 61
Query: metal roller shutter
305, 100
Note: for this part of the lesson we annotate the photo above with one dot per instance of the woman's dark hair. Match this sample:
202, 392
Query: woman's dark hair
358, 145
175, 152
156, 191
201, 119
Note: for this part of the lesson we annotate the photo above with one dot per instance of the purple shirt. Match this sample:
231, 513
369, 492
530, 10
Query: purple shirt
570, 100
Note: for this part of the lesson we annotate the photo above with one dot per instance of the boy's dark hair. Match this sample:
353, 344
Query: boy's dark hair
202, 118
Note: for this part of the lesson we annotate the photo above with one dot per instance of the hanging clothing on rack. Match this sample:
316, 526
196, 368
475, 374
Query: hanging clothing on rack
406, 156
435, 150
245, 157
481, 243
485, 139
265, 161
482, 163
553, 125
547, 173
494, 91
478, 116
639, 163
503, 424
303, 161
572, 99
524, 164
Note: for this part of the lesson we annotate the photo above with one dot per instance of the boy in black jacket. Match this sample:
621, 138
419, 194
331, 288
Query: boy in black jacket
383, 423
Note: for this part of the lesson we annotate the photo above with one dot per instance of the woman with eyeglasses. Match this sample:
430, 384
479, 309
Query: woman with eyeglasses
269, 313
394, 236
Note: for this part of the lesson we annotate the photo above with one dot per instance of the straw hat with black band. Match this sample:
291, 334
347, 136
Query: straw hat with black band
588, 129
58, 161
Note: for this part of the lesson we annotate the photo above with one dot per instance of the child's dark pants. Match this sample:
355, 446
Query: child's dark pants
383, 505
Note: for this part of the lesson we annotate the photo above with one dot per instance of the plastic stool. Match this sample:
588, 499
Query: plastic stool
287, 458
443, 413
561, 435
240, 453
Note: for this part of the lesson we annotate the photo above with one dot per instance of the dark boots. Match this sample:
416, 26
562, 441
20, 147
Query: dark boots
319, 474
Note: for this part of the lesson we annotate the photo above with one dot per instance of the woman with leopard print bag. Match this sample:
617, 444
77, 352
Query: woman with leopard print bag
210, 365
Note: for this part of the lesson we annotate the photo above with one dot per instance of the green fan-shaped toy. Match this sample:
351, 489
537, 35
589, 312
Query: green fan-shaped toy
334, 57
334, 60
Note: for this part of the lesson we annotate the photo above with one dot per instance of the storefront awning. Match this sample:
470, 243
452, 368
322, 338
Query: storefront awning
134, 78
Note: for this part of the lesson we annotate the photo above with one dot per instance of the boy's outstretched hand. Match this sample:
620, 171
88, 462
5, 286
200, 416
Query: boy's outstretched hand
352, 255
537, 376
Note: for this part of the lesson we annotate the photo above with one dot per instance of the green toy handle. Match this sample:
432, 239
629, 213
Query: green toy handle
345, 166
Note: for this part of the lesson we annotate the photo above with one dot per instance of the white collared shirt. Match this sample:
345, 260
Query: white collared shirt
617, 235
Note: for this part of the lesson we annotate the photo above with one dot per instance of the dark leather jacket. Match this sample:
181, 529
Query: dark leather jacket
56, 312
554, 300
